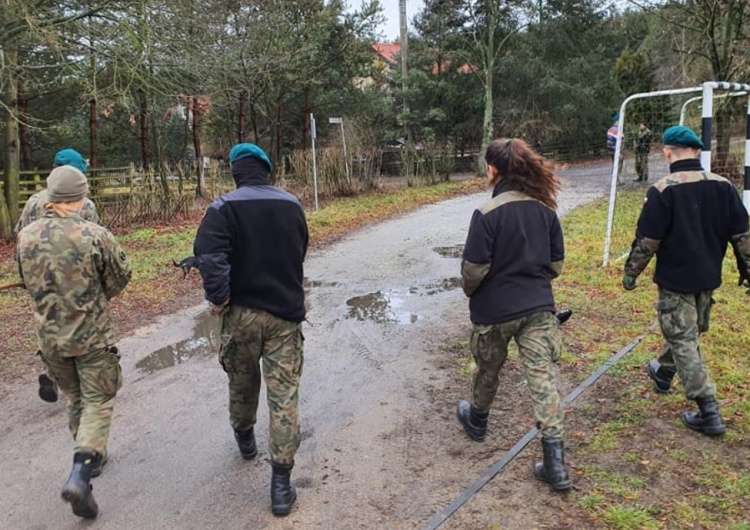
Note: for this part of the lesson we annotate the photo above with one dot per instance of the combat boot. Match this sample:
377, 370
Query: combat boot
563, 316
78, 490
283, 494
661, 378
47, 389
246, 443
99, 464
473, 422
708, 420
552, 470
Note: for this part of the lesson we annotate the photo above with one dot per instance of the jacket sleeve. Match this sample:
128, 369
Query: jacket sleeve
557, 248
477, 258
212, 247
739, 230
89, 213
654, 224
114, 270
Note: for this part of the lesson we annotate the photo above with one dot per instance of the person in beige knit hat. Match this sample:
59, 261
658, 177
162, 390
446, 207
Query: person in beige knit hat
72, 268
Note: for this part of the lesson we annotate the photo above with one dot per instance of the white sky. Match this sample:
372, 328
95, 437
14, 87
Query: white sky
390, 11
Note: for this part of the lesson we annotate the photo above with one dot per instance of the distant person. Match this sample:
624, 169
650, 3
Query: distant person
612, 133
33, 210
72, 268
250, 248
513, 251
642, 152
687, 220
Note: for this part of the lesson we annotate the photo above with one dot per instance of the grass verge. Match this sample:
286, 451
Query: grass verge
157, 288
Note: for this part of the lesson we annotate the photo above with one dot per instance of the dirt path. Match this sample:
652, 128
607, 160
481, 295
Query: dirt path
380, 446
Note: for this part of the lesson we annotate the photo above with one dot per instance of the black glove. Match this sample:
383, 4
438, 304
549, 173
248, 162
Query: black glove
186, 264
563, 316
744, 279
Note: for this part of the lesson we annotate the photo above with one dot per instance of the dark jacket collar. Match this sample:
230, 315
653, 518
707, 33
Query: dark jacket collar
689, 164
501, 187
250, 172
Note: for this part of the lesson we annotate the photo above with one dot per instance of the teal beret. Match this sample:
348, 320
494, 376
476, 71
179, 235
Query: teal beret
71, 157
679, 136
240, 151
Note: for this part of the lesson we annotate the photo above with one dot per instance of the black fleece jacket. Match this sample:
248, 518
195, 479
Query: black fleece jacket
251, 245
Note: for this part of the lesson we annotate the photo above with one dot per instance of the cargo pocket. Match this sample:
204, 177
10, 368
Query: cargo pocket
110, 376
554, 340
480, 342
704, 303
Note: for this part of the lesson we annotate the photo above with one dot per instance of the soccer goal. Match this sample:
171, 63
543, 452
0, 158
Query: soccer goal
721, 115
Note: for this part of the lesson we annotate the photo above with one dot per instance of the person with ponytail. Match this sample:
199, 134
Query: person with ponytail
513, 251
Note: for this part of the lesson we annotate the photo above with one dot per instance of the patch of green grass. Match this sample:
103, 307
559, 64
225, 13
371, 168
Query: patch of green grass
628, 518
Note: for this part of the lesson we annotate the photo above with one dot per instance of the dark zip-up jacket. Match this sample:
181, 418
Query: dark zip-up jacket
513, 250
251, 245
687, 220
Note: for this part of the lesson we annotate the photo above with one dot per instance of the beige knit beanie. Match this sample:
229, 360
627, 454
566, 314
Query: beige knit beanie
66, 184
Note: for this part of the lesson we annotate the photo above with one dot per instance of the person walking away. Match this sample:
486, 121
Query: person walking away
642, 152
513, 251
72, 268
687, 220
250, 248
33, 210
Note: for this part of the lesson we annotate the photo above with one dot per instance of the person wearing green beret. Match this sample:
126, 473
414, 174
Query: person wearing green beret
33, 210
688, 219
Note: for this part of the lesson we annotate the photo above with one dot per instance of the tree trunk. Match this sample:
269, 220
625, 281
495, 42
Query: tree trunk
197, 146
278, 154
241, 118
23, 128
93, 155
254, 119
145, 144
489, 77
306, 124
9, 214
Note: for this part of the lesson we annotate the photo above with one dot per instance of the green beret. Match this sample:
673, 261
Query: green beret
71, 157
240, 151
679, 136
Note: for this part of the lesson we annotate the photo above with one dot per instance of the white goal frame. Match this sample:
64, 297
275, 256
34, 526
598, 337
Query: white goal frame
706, 131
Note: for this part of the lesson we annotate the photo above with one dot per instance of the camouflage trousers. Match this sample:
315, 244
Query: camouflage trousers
90, 382
641, 166
683, 317
247, 335
539, 347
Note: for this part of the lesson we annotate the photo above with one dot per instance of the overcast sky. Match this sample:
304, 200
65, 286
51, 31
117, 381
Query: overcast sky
390, 10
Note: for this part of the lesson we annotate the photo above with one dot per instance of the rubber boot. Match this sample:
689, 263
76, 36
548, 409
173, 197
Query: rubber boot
246, 443
473, 422
662, 380
708, 420
283, 494
552, 470
563, 316
47, 389
78, 490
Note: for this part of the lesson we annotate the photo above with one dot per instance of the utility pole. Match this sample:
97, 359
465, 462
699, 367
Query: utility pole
404, 65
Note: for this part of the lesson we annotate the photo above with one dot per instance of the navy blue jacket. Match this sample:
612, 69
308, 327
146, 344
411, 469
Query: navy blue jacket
251, 245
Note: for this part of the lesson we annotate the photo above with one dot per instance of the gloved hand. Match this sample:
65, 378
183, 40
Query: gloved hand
186, 264
628, 282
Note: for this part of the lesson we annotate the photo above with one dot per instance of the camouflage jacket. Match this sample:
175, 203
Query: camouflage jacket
687, 221
71, 268
34, 209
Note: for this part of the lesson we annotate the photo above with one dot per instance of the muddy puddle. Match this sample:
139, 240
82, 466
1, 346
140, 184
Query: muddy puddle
203, 343
387, 307
456, 251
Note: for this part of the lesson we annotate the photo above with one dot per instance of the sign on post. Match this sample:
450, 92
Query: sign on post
340, 121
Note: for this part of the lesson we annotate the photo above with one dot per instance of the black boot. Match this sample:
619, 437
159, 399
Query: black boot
283, 494
47, 389
708, 420
474, 423
77, 490
552, 470
246, 443
661, 378
563, 316
99, 463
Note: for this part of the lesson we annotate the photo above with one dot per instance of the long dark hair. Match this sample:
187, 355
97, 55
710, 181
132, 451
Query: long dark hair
524, 169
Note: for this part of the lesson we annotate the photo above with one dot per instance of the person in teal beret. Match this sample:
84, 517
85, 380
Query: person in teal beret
688, 219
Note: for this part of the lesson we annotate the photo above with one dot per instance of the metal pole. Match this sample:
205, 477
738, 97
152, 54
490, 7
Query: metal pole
346, 160
707, 114
313, 135
746, 187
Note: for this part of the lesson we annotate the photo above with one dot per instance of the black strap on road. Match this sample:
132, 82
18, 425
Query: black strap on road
501, 464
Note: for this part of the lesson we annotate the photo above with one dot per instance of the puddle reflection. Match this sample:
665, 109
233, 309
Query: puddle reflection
203, 343
381, 308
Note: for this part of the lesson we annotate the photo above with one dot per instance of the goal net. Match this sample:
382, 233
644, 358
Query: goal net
718, 112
